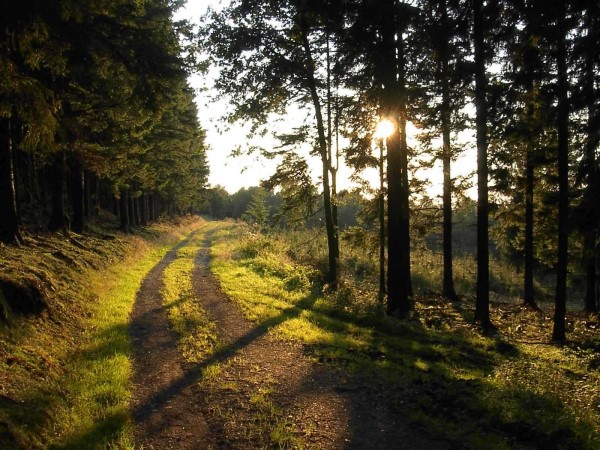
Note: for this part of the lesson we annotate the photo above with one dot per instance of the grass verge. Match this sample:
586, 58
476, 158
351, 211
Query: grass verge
437, 370
64, 373
197, 338
255, 416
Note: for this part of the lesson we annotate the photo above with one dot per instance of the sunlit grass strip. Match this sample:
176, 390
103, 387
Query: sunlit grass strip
97, 389
186, 316
296, 314
464, 369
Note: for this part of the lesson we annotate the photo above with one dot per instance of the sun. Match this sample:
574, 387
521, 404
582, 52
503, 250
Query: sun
384, 128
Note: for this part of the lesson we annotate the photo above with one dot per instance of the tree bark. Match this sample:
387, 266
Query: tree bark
590, 247
131, 210
124, 211
58, 217
9, 219
382, 287
394, 107
528, 292
448, 278
405, 189
332, 169
77, 196
560, 309
152, 208
89, 187
529, 59
482, 302
144, 209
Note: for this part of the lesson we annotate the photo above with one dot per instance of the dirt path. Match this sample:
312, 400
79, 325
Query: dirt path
264, 393
165, 404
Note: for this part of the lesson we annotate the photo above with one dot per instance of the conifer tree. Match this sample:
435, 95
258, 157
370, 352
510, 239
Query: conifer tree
444, 30
482, 311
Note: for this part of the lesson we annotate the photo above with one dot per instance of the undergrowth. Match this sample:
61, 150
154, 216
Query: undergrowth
513, 390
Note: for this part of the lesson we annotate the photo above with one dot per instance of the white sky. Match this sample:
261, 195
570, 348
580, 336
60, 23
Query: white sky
234, 173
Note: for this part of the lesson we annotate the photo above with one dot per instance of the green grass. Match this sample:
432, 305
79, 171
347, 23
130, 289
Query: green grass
448, 380
269, 421
197, 338
101, 371
65, 374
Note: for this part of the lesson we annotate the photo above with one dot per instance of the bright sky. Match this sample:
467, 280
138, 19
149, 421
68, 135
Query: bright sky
231, 173
244, 171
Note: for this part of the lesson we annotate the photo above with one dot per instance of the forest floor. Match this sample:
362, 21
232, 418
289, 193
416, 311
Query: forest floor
212, 335
266, 392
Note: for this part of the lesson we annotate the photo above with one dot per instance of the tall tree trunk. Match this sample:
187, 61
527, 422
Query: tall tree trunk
529, 60
482, 302
151, 207
116, 205
87, 194
58, 217
528, 291
9, 220
131, 209
332, 241
405, 189
560, 310
448, 279
382, 287
332, 169
124, 210
77, 195
393, 106
590, 247
16, 135
144, 209
590, 300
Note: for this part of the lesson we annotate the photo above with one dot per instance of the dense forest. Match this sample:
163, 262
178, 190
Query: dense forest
97, 114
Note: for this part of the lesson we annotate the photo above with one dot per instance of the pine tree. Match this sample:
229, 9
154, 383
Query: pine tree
443, 29
257, 213
482, 311
27, 60
562, 124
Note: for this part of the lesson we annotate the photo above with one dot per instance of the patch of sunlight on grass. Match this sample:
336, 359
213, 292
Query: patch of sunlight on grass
459, 384
68, 369
197, 335
100, 388
270, 421
211, 373
422, 365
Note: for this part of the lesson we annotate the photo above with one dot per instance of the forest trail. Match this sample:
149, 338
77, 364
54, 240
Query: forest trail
263, 392
165, 404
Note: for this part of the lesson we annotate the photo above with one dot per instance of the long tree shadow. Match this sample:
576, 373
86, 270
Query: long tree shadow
402, 388
224, 353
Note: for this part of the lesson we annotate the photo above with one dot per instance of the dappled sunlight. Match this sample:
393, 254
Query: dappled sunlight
447, 373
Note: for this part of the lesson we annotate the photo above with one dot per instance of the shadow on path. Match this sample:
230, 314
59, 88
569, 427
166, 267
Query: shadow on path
171, 419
